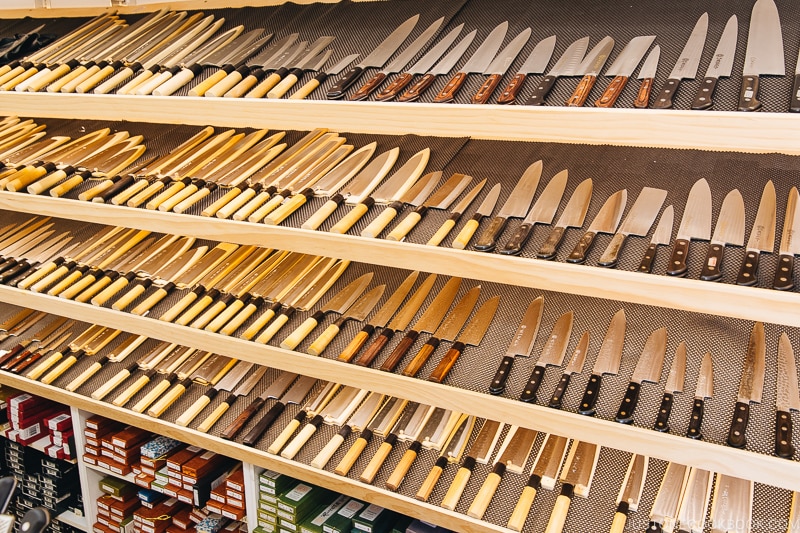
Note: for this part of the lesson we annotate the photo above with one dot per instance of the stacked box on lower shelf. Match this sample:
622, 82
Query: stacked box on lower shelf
33, 418
116, 506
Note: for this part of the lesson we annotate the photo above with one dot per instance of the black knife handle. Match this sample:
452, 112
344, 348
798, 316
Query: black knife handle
711, 266
696, 420
748, 97
664, 99
783, 435
589, 399
263, 425
558, 394
529, 394
748, 274
549, 249
677, 261
518, 240
794, 106
704, 98
344, 83
628, 405
662, 419
654, 527
416, 90
737, 437
498, 384
784, 279
578, 254
488, 238
646, 265
540, 93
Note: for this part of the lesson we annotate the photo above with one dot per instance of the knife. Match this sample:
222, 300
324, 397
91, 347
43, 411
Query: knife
729, 230
283, 65
567, 65
314, 405
686, 66
605, 221
480, 452
498, 67
692, 512
790, 244
517, 204
638, 222
311, 85
311, 64
622, 68
521, 344
484, 210
576, 478
695, 224
399, 62
721, 65
575, 366
542, 212
787, 398
358, 312
607, 362
452, 449
732, 505
535, 64
647, 74
276, 389
444, 66
648, 368
456, 213
762, 237
705, 389
664, 513
751, 386
552, 354
630, 494
572, 216
764, 53
377, 58
662, 235
479, 62
675, 379
590, 67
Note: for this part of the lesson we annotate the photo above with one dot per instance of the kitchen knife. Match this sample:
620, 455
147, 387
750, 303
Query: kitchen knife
762, 237
695, 224
276, 389
358, 312
692, 511
567, 65
576, 478
456, 213
661, 236
789, 245
452, 450
590, 67
321, 76
638, 222
311, 64
535, 64
704, 389
647, 74
314, 405
575, 366
751, 386
764, 53
675, 379
729, 230
648, 368
479, 453
572, 216
552, 354
732, 504
630, 494
542, 212
686, 66
484, 210
607, 362
721, 65
664, 513
498, 67
787, 398
622, 68
521, 344
605, 221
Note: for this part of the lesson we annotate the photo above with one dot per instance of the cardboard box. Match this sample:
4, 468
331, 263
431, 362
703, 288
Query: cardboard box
176, 460
298, 502
232, 512
342, 520
374, 519
313, 523
130, 437
60, 422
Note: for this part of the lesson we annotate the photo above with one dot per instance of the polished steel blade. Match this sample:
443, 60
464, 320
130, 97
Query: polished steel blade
752, 384
455, 320
287, 57
579, 468
688, 61
364, 305
540, 56
517, 448
556, 344
644, 212
274, 49
575, 365
482, 447
447, 63
300, 389
421, 189
400, 62
519, 201
435, 425
610, 355
489, 202
432, 56
389, 46
345, 297
663, 232
732, 504
696, 221
692, 513
438, 308
341, 174
504, 59
391, 305
722, 60
567, 64
665, 507
764, 53
596, 58
790, 237
648, 368
633, 484
577, 206
548, 461
310, 295
340, 66
465, 202
762, 236
730, 223
314, 64
382, 423
487, 50
677, 372
476, 329
607, 219
448, 192
787, 397
528, 329
366, 180
368, 408
627, 60
402, 319
545, 207
236, 374
240, 48
705, 379
211, 48
414, 417
311, 53
401, 181
456, 442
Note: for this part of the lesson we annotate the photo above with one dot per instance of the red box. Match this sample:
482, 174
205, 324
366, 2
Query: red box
60, 422
130, 437
232, 512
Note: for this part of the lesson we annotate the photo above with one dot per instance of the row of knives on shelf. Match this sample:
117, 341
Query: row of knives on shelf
449, 436
267, 181
164, 51
228, 285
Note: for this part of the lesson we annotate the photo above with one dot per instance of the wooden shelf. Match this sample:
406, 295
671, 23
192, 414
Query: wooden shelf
127, 477
71, 519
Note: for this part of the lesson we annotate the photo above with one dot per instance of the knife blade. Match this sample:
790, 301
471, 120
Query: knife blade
605, 221
294, 395
607, 362
751, 386
638, 222
787, 398
572, 216
686, 66
732, 505
590, 67
358, 312
648, 368
789, 245
695, 224
535, 64
566, 65
675, 379
729, 230
516, 205
622, 68
552, 354
630, 493
764, 53
721, 65
704, 389
542, 212
452, 450
321, 76
647, 74
311, 64
456, 213
664, 513
576, 478
661, 236
521, 344
692, 512
497, 69
575, 365
762, 237
480, 452
484, 210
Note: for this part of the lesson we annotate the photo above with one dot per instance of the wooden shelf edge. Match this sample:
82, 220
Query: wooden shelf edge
741, 463
696, 296
717, 130
70, 518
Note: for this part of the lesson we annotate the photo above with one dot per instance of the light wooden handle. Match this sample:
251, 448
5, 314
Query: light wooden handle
151, 396
62, 367
257, 215
125, 396
43, 271
466, 233
325, 454
173, 84
297, 336
347, 221
203, 87
25, 177
92, 82
443, 231
305, 90
144, 307
109, 292
10, 74
350, 351
42, 367
165, 401
405, 227
272, 330
283, 87
211, 210
148, 86
287, 208
195, 409
49, 181
194, 310
165, 195
226, 84
322, 214
256, 203
322, 342
102, 391
77, 289
86, 374
379, 224
238, 320
558, 516
375, 464
186, 204
425, 490
299, 441
89, 194
241, 88
172, 313
484, 496
117, 79
234, 204
209, 314
62, 285
212, 419
224, 316
171, 202
456, 489
260, 90
127, 299
521, 510
259, 323
399, 473
60, 190
618, 524
350, 458
50, 278
284, 437
17, 80
137, 193
45, 80
71, 80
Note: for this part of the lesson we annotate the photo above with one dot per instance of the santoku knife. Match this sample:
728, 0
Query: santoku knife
686, 66
555, 347
622, 68
542, 212
590, 67
790, 244
575, 366
572, 216
703, 390
566, 65
728, 231
521, 344
764, 53
721, 65
762, 237
751, 386
787, 398
535, 64
638, 222
648, 368
695, 224
675, 379
607, 362
499, 66
605, 221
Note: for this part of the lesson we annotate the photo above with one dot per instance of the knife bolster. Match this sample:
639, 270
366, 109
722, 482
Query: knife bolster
783, 434
737, 435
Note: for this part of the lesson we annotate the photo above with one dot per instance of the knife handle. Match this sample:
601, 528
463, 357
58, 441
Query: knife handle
459, 483
696, 420
448, 92
86, 374
704, 98
303, 330
400, 350
509, 94
283, 437
348, 221
261, 90
58, 371
286, 83
344, 83
266, 421
558, 516
368, 87
662, 420
529, 393
87, 84
628, 405
153, 394
447, 362
299, 440
242, 87
655, 527
325, 338
578, 254
202, 88
711, 266
226, 82
333, 445
352, 455
375, 464
419, 360
748, 97
748, 274
589, 399
540, 93
523, 507
737, 436
375, 348
442, 232
394, 88
514, 245
488, 239
783, 435
45, 365
487, 491
425, 490
646, 265
125, 396
462, 239
241, 420
286, 208
406, 225
399, 473
558, 394
620, 518
381, 221
416, 90
677, 261
486, 90
582, 91
321, 215
783, 280
612, 92
664, 100
197, 407
273, 328
549, 249
355, 344
611, 254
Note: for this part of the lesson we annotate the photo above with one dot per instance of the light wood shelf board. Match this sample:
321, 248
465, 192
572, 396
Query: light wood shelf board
70, 518
741, 463
662, 291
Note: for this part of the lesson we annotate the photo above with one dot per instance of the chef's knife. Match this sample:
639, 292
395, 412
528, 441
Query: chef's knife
605, 221
590, 67
686, 66
720, 67
703, 390
521, 344
764, 53
751, 386
675, 379
630, 493
729, 230
648, 368
638, 222
535, 64
566, 65
647, 74
498, 67
607, 362
762, 237
575, 366
542, 212
664, 513
622, 68
576, 479
552, 354
661, 236
572, 216
484, 210
790, 244
787, 398
695, 224
480, 452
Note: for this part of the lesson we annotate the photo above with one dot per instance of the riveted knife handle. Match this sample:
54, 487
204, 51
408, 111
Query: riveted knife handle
515, 244
488, 239
748, 274
241, 420
662, 420
737, 437
748, 97
628, 405
677, 261
414, 366
395, 87
447, 362
416, 90
704, 98
783, 434
425, 490
578, 254
696, 420
646, 265
582, 91
794, 107
711, 266
611, 254
612, 92
538, 96
589, 400
784, 279
509, 94
529, 393
344, 83
549, 249
400, 350
486, 90
375, 348
368, 87
448, 92
558, 394
664, 99
355, 344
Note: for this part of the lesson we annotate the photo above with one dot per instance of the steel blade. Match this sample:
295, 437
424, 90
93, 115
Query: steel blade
762, 236
447, 63
247, 386
471, 195
432, 56
402, 319
722, 61
677, 372
360, 186
389, 46
732, 504
321, 285
487, 50
280, 384
627, 60
688, 61
607, 219
577, 206
692, 513
568, 63
438, 307
391, 305
301, 388
644, 212
400, 62
456, 442
633, 484
448, 192
575, 365
545, 207
790, 245
341, 174
455, 320
730, 223
286, 57
705, 379
476, 329
340, 66
764, 53
556, 344
665, 507
650, 66
525, 336
517, 450
211, 48
482, 447
339, 408
315, 63
414, 417
696, 221
752, 384
651, 360
345, 297
548, 461
239, 48
540, 56
519, 201
610, 355
382, 423
663, 233
504, 59
579, 468
786, 397
401, 181
364, 305
596, 58
232, 378
310, 54
274, 49
368, 408
432, 433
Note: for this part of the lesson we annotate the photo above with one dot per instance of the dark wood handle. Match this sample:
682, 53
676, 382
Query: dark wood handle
549, 249
344, 83
712, 270
794, 107
662, 419
643, 95
704, 99
400, 350
488, 238
241, 420
368, 87
448, 93
419, 360
447, 362
589, 399
677, 261
748, 274
417, 89
486, 90
628, 405
696, 420
748, 97
783, 435
664, 98
263, 425
646, 265
538, 96
578, 254
582, 91
529, 393
395, 87
654, 527
737, 437
612, 92
375, 348
517, 241
11, 354
784, 274
498, 384
509, 94
115, 189
558, 394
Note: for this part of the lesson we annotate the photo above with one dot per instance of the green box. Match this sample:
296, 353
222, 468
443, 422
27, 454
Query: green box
374, 519
117, 487
275, 481
401, 524
342, 520
297, 503
313, 523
